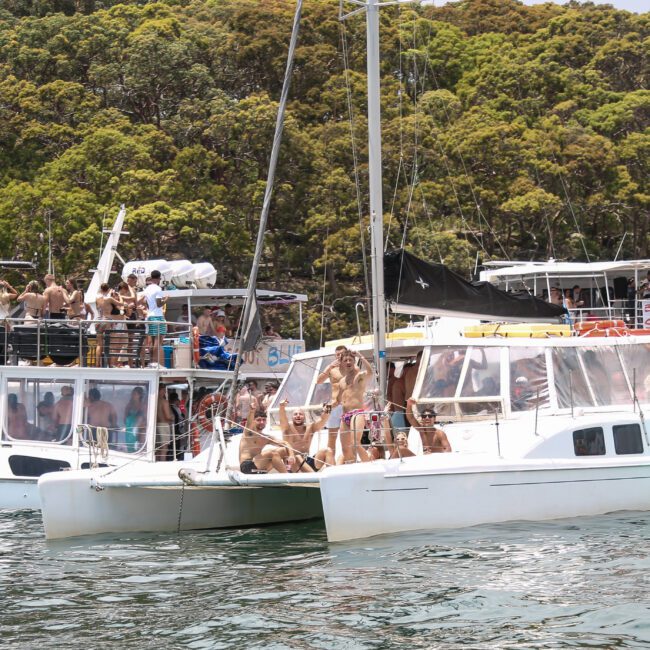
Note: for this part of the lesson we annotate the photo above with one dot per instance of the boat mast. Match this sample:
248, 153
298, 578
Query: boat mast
103, 271
266, 205
376, 199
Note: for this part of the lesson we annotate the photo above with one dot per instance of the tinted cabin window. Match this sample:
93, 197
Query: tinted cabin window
32, 466
589, 442
627, 439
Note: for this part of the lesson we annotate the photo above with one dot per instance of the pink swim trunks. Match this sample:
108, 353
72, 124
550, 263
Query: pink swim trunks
347, 417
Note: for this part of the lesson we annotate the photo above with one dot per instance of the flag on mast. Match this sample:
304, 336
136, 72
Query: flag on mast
252, 329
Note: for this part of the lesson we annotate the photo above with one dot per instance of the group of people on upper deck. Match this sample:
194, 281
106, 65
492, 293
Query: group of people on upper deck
56, 302
578, 298
363, 435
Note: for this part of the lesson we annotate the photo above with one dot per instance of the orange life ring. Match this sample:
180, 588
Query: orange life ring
203, 418
610, 332
608, 324
195, 345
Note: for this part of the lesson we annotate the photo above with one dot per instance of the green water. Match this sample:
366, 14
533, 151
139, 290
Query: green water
578, 583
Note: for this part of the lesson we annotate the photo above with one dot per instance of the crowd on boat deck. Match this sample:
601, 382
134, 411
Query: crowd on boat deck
362, 435
129, 321
578, 299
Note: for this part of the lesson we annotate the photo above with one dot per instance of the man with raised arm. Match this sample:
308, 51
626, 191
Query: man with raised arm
352, 388
434, 440
298, 437
259, 453
333, 373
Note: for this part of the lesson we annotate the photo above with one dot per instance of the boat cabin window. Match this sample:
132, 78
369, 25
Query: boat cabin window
322, 392
589, 442
120, 407
34, 466
627, 439
528, 381
39, 410
636, 360
443, 372
482, 373
605, 376
297, 383
570, 381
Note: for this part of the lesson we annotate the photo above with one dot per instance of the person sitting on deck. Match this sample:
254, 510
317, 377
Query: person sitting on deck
298, 437
433, 439
401, 449
259, 453
352, 388
270, 333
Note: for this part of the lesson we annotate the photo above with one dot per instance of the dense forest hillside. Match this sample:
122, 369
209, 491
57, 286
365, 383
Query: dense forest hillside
509, 131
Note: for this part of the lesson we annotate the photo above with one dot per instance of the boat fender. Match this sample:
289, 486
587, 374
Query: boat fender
196, 351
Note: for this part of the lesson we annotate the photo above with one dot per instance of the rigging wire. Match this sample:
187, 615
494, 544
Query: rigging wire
400, 112
322, 312
355, 156
562, 183
477, 205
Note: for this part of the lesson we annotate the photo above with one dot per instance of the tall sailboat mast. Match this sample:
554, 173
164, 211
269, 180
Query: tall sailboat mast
376, 197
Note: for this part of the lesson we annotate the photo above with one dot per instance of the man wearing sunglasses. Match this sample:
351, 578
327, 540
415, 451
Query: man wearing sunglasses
434, 440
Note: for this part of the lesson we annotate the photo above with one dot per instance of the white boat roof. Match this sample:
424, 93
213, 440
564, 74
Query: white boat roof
566, 269
198, 297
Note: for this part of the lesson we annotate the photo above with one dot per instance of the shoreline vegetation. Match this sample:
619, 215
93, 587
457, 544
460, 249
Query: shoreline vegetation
527, 130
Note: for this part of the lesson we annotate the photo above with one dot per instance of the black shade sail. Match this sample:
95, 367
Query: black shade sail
414, 286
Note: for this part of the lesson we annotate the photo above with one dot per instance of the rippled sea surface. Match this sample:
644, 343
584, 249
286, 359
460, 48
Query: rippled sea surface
574, 583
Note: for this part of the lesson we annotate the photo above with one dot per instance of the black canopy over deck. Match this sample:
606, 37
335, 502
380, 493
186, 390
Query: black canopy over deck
414, 286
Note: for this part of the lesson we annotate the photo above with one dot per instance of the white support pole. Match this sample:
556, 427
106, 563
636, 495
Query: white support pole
376, 199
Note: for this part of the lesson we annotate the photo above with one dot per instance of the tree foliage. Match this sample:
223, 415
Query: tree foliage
508, 131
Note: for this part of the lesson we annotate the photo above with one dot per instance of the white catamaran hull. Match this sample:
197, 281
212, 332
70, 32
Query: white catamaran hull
19, 493
396, 497
74, 504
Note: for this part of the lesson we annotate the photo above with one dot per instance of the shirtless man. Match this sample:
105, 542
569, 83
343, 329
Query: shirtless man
352, 388
100, 413
55, 298
62, 415
204, 323
17, 423
259, 453
333, 373
164, 424
434, 440
298, 436
410, 374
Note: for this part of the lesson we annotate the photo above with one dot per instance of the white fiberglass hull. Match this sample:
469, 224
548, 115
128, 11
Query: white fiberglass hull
73, 507
391, 497
19, 493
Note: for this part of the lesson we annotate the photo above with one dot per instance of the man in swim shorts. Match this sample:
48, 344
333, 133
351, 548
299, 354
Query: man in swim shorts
258, 453
298, 437
352, 388
333, 373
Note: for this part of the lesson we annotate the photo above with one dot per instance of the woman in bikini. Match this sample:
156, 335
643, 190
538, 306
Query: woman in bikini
109, 305
76, 308
34, 303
